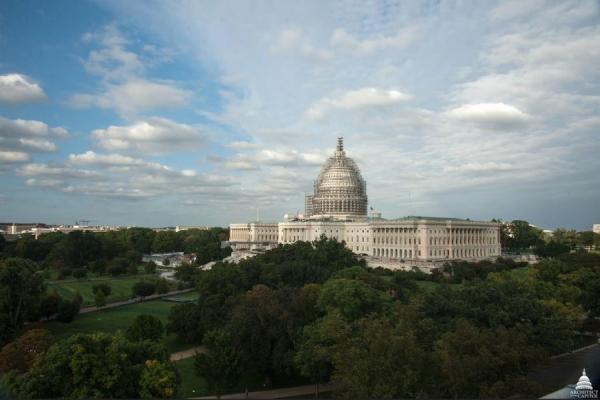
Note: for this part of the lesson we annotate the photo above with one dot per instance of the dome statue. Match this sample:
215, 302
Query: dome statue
340, 190
584, 383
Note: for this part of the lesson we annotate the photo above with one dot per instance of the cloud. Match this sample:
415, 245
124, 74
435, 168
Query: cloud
134, 96
355, 99
119, 176
154, 135
347, 42
17, 88
124, 86
45, 170
111, 60
270, 158
514, 8
293, 40
13, 157
20, 138
490, 114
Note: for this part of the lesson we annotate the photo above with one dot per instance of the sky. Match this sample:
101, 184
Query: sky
164, 113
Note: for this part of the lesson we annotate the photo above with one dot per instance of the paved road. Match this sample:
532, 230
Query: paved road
180, 355
306, 390
566, 369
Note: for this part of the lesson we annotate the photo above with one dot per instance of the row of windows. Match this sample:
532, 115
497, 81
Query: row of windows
395, 240
461, 240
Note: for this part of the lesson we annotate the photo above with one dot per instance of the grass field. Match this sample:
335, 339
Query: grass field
120, 286
113, 319
191, 385
194, 386
184, 297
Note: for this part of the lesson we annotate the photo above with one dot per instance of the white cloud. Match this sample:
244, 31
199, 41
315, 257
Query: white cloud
124, 86
354, 99
92, 158
17, 88
13, 157
111, 60
294, 40
515, 8
45, 170
270, 158
20, 138
347, 42
490, 114
134, 96
154, 135
241, 145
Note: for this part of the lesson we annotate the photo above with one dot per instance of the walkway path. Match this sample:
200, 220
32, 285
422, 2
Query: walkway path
85, 310
181, 355
306, 390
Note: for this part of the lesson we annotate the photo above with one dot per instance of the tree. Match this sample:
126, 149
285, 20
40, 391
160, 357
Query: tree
166, 242
97, 365
566, 237
220, 364
352, 298
102, 288
379, 360
49, 304
588, 239
79, 273
21, 290
150, 267
118, 266
477, 362
21, 354
520, 235
317, 344
158, 380
99, 299
184, 321
143, 288
68, 310
262, 330
98, 266
551, 249
145, 327
162, 286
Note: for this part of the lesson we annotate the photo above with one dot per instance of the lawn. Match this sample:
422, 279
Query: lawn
184, 297
120, 286
194, 386
113, 319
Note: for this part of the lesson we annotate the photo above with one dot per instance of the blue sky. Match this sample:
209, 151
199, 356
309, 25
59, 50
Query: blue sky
161, 113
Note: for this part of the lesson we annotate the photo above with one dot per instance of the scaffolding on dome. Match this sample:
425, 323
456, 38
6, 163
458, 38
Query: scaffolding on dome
340, 189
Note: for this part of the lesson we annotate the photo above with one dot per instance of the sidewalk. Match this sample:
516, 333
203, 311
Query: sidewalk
181, 355
306, 390
85, 310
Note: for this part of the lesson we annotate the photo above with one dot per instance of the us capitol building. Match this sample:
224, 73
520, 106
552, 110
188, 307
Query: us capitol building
338, 209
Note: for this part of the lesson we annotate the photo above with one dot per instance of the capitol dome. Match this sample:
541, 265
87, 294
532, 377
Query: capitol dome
584, 383
339, 190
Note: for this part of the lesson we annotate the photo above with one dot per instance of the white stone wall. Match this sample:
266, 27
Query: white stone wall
427, 240
423, 240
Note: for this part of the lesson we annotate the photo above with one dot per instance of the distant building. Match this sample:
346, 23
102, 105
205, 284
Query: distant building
338, 209
596, 228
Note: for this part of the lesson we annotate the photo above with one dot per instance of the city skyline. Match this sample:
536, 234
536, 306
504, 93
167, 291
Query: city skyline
199, 113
